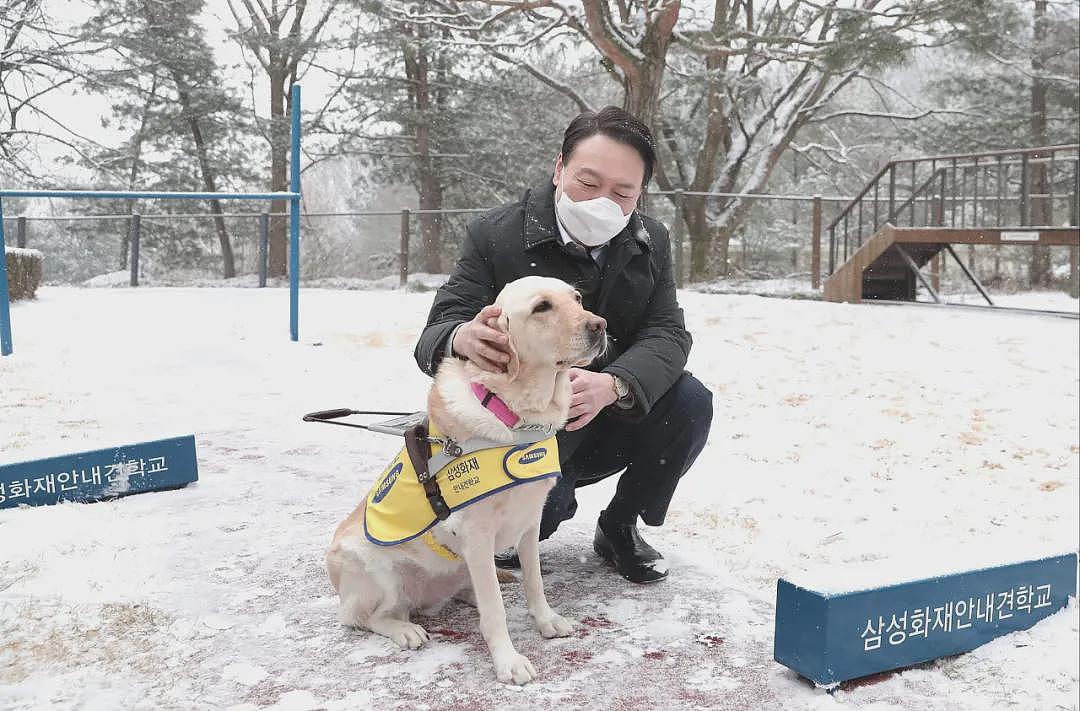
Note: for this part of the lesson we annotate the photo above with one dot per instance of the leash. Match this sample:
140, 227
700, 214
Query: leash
328, 416
397, 428
413, 426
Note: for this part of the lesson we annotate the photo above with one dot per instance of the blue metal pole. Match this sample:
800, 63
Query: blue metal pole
5, 308
294, 218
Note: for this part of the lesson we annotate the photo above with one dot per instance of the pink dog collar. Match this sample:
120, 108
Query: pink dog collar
494, 403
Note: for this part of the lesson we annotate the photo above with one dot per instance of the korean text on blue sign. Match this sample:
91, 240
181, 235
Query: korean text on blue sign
830, 638
101, 474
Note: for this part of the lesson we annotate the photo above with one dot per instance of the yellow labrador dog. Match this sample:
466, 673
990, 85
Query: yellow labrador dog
378, 585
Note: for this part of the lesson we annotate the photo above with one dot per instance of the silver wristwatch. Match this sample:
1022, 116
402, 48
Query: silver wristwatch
622, 390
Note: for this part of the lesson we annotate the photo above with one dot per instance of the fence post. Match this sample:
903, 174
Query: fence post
136, 229
832, 249
892, 193
264, 243
1025, 190
20, 232
1074, 272
294, 215
1074, 220
5, 310
403, 254
677, 228
815, 246
941, 203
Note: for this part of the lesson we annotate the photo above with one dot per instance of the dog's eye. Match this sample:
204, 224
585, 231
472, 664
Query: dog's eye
544, 305
577, 296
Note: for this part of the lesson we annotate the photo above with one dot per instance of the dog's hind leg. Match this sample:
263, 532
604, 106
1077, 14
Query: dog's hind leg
547, 621
375, 602
358, 593
467, 596
403, 633
368, 602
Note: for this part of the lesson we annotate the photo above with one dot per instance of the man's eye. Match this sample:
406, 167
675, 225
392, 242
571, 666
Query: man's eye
542, 306
588, 185
622, 197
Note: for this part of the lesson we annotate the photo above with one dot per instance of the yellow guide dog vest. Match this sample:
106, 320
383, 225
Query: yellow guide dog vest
398, 511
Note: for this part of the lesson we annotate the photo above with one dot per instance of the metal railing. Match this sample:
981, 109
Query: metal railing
293, 196
996, 189
679, 228
806, 212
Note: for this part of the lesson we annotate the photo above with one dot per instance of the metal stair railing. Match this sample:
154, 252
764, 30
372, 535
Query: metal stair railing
890, 218
1007, 189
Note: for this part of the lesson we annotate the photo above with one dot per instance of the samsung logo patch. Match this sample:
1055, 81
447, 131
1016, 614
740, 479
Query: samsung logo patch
387, 483
533, 455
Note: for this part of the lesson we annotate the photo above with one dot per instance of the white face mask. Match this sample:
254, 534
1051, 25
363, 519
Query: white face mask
591, 222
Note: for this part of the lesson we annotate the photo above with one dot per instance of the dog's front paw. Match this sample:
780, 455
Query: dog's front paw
554, 626
515, 668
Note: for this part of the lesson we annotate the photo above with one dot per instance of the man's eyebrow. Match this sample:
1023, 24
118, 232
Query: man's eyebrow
593, 173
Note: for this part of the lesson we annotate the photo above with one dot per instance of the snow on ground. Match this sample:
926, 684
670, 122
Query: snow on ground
850, 444
1042, 300
797, 286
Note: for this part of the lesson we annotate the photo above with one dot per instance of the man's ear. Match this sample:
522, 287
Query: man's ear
514, 366
557, 175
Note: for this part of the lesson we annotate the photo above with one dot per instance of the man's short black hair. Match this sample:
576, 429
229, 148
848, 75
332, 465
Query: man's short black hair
617, 124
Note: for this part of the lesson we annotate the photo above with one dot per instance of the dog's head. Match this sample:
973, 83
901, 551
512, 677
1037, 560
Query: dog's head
547, 326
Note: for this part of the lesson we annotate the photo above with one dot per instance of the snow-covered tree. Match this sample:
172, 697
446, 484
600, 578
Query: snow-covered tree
1017, 80
170, 92
281, 36
463, 125
726, 85
38, 58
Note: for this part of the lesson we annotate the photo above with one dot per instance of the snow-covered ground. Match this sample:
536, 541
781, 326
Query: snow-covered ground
792, 287
850, 444
1041, 300
799, 287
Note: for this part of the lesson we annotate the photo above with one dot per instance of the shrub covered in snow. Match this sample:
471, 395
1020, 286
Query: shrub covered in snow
24, 272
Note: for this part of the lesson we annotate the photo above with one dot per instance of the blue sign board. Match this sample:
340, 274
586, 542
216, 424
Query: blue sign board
106, 473
830, 638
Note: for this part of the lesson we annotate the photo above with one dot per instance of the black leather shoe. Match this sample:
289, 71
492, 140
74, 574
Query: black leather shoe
508, 559
633, 558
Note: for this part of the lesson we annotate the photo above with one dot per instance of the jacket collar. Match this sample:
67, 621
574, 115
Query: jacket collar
540, 218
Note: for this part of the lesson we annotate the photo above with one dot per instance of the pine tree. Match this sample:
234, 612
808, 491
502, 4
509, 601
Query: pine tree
459, 125
1017, 80
168, 86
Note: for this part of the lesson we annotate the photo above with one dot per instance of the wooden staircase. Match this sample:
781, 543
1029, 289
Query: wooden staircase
914, 210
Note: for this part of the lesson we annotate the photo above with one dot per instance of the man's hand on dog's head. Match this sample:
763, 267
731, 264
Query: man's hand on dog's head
482, 343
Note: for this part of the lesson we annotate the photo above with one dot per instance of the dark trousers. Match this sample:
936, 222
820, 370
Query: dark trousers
652, 453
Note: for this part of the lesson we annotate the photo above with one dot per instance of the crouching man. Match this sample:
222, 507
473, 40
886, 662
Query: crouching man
635, 412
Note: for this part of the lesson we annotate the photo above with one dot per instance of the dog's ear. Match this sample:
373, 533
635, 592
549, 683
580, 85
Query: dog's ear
512, 368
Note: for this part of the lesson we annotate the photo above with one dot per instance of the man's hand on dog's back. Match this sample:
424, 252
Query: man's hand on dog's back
479, 341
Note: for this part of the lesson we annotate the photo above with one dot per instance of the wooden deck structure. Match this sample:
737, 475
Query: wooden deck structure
914, 210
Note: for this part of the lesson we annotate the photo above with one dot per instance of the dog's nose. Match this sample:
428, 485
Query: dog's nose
597, 324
